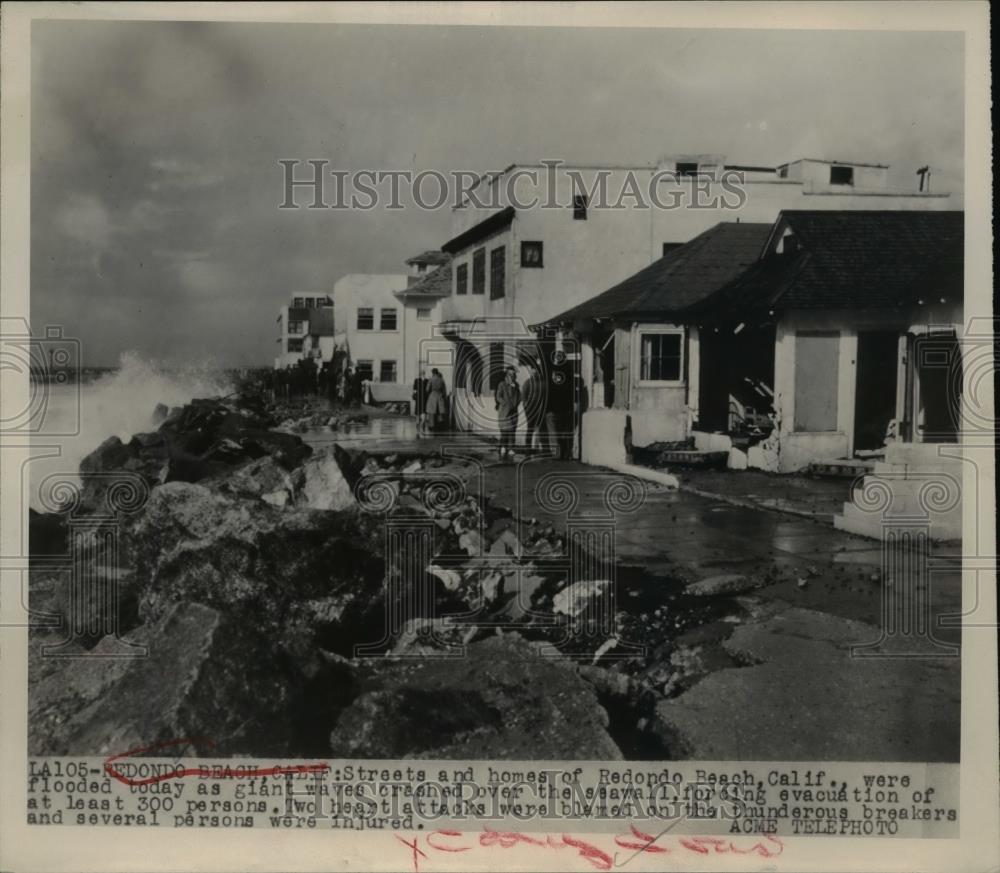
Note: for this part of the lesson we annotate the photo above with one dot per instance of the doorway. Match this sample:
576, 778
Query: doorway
938, 371
875, 387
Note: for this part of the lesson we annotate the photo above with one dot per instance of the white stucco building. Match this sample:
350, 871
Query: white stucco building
541, 239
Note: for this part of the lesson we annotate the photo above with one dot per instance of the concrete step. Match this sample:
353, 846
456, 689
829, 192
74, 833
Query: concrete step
943, 526
846, 467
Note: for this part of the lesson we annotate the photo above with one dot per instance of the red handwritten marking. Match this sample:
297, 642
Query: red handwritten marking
416, 851
434, 845
598, 858
647, 844
595, 856
204, 772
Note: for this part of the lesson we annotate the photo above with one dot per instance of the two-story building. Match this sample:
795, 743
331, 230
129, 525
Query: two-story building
369, 326
534, 240
305, 330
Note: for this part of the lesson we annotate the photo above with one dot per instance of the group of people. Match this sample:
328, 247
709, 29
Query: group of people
430, 402
548, 410
547, 404
334, 380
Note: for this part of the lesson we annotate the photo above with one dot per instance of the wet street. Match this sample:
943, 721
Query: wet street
810, 611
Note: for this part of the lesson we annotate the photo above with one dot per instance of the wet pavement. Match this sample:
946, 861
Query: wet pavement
816, 593
678, 535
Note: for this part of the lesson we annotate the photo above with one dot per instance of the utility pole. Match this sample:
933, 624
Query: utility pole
925, 175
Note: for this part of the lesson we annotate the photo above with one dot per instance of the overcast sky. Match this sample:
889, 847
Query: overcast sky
155, 181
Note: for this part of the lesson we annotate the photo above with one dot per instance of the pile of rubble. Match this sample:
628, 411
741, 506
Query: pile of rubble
282, 618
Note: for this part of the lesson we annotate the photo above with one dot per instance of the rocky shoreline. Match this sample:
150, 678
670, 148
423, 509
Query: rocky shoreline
256, 567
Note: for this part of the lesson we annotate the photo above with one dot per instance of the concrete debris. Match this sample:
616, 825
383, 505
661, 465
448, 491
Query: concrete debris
714, 586
576, 598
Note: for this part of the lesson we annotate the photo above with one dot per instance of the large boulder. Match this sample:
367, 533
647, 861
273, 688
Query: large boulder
100, 599
325, 486
502, 700
203, 440
294, 572
206, 676
264, 479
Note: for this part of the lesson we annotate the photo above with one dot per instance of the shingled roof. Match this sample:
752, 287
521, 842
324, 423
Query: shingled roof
681, 278
435, 284
431, 257
860, 259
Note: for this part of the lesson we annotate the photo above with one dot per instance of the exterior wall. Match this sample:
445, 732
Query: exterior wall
797, 449
423, 348
816, 174
284, 358
359, 290
469, 306
584, 258
602, 439
659, 409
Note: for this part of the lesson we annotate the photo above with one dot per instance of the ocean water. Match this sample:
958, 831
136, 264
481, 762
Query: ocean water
75, 419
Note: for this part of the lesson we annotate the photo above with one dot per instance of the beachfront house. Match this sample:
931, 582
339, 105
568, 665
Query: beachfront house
827, 340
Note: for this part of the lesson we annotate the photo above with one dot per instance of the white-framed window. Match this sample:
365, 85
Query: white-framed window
296, 327
423, 313
660, 353
387, 371
366, 318
387, 319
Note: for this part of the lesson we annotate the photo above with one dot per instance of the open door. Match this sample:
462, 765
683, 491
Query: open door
875, 392
938, 376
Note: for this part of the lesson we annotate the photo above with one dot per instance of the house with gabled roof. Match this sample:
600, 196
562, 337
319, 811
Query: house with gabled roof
827, 340
639, 357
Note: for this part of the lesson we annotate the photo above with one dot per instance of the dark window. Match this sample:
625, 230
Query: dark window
479, 272
531, 254
364, 369
782, 172
661, 357
366, 319
687, 169
298, 302
462, 279
580, 207
421, 268
387, 371
841, 175
498, 273
423, 314
669, 247
295, 345
388, 319
496, 365
310, 303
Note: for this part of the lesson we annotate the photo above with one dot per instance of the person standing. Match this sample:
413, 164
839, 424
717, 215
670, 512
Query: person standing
421, 387
437, 400
559, 414
508, 399
535, 401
